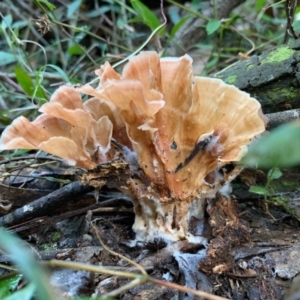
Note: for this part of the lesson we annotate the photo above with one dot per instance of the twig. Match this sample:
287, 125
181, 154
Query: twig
4, 77
126, 287
34, 157
290, 8
278, 118
46, 205
185, 289
141, 269
85, 267
143, 278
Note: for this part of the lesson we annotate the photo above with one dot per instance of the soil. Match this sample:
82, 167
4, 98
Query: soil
252, 249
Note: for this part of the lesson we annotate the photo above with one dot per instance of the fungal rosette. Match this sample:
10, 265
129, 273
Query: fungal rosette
183, 128
67, 129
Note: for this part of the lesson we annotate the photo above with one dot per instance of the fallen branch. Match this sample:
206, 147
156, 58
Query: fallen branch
54, 203
282, 117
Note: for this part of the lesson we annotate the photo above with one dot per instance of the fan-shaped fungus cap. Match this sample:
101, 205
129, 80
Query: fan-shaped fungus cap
183, 128
66, 129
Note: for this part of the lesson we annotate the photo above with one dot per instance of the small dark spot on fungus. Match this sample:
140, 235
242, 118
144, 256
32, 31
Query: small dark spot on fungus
146, 166
173, 225
173, 146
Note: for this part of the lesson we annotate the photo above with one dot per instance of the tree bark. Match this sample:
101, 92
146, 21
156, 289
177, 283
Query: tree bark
273, 78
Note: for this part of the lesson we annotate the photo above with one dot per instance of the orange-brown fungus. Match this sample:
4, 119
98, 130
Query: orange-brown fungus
182, 128
66, 129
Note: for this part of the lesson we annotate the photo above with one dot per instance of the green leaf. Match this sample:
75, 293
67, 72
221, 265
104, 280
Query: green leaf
22, 257
281, 148
260, 4
6, 21
39, 93
24, 81
53, 179
5, 120
274, 173
6, 58
212, 26
8, 285
296, 25
16, 153
60, 72
147, 16
26, 293
178, 25
27, 85
103, 9
49, 5
19, 24
174, 15
75, 50
259, 190
72, 8
212, 62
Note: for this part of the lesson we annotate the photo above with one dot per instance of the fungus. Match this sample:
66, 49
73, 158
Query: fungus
66, 129
182, 129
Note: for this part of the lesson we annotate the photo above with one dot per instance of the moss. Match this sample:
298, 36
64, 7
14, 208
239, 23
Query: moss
285, 93
290, 184
48, 246
55, 237
283, 202
249, 67
278, 55
231, 79
52, 244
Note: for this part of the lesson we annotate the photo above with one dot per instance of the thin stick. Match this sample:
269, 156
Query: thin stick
105, 270
4, 77
282, 117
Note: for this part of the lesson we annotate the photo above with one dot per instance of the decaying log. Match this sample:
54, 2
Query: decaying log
273, 78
